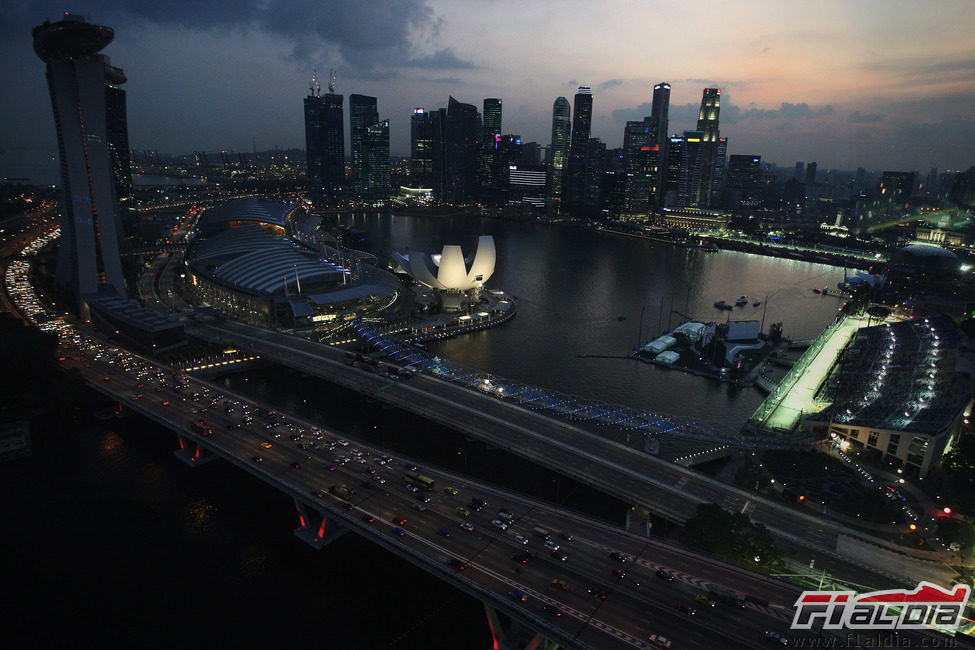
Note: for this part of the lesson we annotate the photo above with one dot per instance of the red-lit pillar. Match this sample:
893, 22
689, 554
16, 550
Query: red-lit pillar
316, 528
191, 453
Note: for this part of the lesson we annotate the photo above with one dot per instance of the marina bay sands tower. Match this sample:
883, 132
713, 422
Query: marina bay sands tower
82, 84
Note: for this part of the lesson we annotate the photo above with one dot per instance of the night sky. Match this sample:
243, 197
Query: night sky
884, 84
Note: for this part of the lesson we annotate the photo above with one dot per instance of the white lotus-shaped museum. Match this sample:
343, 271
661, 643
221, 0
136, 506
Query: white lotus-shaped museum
449, 270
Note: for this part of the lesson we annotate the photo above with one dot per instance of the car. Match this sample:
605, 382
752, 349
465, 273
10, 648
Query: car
368, 519
552, 544
552, 609
566, 536
687, 609
775, 637
348, 506
466, 526
658, 641
443, 532
379, 479
330, 467
618, 573
523, 557
412, 488
399, 520
296, 465
500, 525
423, 498
520, 539
665, 575
457, 564
517, 594
419, 506
451, 491
410, 466
399, 531
619, 557
597, 593
258, 459
704, 599
463, 511
561, 584
559, 555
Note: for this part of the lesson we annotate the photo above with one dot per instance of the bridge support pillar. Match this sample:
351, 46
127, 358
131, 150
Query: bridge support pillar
192, 453
316, 528
638, 521
509, 634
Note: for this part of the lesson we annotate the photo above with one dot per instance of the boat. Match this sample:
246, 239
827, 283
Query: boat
741, 302
756, 303
621, 318
721, 304
817, 290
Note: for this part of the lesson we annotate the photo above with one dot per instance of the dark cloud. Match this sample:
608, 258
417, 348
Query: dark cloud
441, 59
363, 36
632, 114
788, 111
865, 118
611, 83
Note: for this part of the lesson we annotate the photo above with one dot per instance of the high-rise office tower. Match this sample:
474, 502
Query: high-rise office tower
489, 167
375, 170
118, 130
659, 123
438, 127
638, 184
561, 132
744, 181
421, 146
691, 169
576, 170
810, 176
324, 142
363, 113
707, 123
674, 157
462, 134
91, 231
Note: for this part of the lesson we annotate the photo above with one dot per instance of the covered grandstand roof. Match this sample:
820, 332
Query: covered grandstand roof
251, 259
251, 209
900, 376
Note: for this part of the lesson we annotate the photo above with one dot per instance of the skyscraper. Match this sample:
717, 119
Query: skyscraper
489, 170
324, 142
375, 161
638, 167
708, 189
363, 113
91, 231
462, 133
659, 123
561, 132
744, 181
576, 172
421, 147
118, 130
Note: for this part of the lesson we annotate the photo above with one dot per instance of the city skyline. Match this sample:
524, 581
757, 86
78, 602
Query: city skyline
821, 84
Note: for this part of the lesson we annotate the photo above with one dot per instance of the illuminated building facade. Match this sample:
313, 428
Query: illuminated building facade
79, 80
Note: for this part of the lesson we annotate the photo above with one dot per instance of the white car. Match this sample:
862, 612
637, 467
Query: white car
520, 539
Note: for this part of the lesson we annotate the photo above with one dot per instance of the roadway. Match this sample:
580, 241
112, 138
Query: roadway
665, 489
637, 605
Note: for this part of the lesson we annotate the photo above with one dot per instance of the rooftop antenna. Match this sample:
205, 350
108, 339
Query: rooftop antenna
314, 86
331, 81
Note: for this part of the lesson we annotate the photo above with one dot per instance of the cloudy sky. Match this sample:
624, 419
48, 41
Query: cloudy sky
884, 84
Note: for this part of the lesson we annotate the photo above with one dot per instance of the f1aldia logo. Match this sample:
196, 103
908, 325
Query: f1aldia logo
924, 607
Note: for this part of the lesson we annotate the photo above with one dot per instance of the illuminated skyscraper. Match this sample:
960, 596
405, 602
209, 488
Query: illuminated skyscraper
577, 169
489, 169
78, 79
421, 147
363, 113
324, 142
375, 161
561, 132
712, 163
